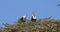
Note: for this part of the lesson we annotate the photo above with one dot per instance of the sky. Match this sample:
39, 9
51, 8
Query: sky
12, 10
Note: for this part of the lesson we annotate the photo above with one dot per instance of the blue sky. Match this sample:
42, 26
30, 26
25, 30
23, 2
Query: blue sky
11, 10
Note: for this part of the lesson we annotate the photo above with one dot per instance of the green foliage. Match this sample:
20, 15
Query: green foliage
47, 25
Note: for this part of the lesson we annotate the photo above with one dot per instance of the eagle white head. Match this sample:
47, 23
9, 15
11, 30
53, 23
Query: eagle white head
24, 16
33, 15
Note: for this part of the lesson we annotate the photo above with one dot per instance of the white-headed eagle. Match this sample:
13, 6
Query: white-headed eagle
22, 19
33, 18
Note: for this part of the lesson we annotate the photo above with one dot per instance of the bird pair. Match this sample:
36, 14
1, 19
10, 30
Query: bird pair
23, 18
